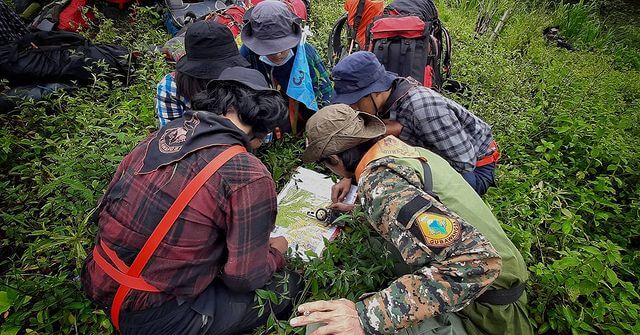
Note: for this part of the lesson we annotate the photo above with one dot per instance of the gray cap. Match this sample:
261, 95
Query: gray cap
271, 28
337, 128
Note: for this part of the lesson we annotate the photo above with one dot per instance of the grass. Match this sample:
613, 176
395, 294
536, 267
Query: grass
568, 195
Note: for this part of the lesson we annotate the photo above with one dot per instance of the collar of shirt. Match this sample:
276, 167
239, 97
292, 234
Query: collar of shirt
399, 89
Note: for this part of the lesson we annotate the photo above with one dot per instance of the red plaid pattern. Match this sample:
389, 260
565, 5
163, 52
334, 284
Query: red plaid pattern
222, 233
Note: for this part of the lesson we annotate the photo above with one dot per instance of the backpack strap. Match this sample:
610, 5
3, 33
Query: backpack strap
503, 296
358, 19
446, 62
335, 40
162, 229
427, 181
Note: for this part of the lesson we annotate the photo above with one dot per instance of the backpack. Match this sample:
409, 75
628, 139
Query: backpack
298, 7
58, 57
231, 17
63, 15
407, 38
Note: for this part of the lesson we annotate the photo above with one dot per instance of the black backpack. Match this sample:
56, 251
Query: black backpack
58, 57
408, 39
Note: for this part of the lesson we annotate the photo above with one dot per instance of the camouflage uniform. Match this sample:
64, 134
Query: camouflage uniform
454, 260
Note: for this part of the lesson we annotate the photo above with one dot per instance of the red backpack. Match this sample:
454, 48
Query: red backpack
298, 7
72, 19
408, 38
231, 17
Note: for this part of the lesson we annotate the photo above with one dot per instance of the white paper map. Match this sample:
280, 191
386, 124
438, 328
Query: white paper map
306, 192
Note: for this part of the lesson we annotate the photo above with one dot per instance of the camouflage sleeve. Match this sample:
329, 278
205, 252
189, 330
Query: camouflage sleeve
454, 262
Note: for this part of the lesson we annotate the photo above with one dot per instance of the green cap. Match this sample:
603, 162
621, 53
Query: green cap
337, 128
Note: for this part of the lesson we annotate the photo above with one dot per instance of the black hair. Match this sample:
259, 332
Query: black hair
188, 86
352, 157
262, 110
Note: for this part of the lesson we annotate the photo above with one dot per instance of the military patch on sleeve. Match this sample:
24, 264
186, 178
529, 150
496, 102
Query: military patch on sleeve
438, 231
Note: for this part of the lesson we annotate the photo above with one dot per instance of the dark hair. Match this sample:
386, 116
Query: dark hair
352, 157
262, 110
188, 86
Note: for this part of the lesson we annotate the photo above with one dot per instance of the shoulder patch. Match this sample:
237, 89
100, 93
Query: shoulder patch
438, 231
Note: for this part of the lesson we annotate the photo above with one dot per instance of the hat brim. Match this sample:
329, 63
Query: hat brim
271, 46
373, 128
350, 98
214, 83
208, 68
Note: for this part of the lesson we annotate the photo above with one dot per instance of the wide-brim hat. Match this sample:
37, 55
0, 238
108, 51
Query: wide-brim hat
270, 28
250, 78
359, 75
337, 128
210, 48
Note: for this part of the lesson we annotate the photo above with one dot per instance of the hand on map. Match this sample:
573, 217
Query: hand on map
279, 243
340, 317
338, 192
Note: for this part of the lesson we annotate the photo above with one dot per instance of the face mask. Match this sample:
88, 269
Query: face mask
266, 60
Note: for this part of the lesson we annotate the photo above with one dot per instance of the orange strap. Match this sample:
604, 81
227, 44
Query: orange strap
136, 283
133, 273
493, 157
388, 146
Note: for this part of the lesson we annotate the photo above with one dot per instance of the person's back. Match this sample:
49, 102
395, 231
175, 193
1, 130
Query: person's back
184, 225
432, 121
193, 255
419, 116
480, 317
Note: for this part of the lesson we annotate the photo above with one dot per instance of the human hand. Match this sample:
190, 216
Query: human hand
279, 243
340, 317
393, 127
340, 190
342, 207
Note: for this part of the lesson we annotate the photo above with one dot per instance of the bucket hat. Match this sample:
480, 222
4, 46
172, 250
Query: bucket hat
359, 75
210, 49
337, 128
271, 28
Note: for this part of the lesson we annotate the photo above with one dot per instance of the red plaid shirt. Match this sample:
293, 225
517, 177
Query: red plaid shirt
222, 233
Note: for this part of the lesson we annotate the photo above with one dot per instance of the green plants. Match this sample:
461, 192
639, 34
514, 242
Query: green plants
567, 123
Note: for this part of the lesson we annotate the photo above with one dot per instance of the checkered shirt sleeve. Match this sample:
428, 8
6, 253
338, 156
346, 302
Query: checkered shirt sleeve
323, 87
169, 104
440, 124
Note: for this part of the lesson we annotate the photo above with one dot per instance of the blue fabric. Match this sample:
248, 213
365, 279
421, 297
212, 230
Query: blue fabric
170, 104
168, 23
300, 87
481, 178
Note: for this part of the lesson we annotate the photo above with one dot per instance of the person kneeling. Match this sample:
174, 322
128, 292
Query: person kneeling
460, 273
183, 229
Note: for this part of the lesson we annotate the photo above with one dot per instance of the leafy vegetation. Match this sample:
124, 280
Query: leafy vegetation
568, 124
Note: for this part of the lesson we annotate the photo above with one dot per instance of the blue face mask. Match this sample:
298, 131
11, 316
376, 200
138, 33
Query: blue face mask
266, 60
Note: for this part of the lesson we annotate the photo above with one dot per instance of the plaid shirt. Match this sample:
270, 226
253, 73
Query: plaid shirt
223, 232
170, 104
322, 84
11, 27
431, 121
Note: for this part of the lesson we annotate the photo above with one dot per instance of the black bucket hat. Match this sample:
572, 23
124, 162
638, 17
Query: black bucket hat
210, 48
270, 28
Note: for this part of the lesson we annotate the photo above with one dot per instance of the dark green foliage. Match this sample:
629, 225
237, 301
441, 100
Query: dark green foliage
568, 124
